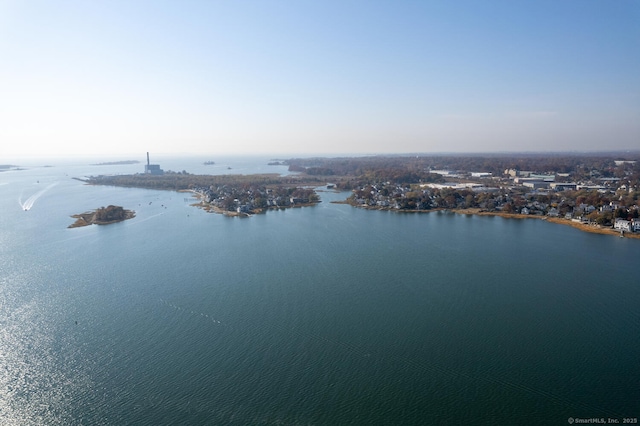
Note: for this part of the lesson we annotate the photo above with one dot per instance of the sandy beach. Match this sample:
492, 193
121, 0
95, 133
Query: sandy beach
595, 229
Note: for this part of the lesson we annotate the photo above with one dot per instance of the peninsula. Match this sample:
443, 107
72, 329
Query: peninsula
231, 195
102, 216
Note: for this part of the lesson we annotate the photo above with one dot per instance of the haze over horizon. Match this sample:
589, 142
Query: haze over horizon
284, 77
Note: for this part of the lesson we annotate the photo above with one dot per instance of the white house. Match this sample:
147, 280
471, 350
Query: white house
623, 225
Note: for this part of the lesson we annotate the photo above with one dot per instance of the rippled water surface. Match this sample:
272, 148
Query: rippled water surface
324, 315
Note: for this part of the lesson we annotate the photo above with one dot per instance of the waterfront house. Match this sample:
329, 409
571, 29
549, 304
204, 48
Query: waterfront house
623, 225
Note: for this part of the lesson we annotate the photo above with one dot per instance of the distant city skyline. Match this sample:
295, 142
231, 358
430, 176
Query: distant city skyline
121, 78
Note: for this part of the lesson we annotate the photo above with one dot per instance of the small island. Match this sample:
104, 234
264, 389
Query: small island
102, 216
117, 163
5, 167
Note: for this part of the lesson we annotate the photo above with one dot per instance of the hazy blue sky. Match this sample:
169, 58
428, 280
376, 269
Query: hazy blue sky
119, 77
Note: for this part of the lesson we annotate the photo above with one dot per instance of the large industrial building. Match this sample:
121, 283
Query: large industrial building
153, 169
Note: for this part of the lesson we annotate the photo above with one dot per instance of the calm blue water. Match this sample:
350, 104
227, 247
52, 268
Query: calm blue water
326, 315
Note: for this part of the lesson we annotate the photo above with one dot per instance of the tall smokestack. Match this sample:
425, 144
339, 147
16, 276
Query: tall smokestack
147, 158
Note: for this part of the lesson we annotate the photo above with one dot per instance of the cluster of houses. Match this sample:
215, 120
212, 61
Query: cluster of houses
252, 199
510, 199
392, 196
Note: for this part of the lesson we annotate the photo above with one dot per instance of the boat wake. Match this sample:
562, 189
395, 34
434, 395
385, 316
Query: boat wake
147, 218
29, 202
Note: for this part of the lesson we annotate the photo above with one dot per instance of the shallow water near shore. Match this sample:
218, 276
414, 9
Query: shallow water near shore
321, 315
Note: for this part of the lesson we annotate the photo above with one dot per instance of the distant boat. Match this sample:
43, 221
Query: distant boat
209, 163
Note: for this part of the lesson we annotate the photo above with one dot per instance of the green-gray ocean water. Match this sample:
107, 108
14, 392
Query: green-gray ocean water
326, 315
